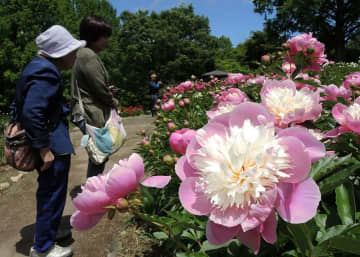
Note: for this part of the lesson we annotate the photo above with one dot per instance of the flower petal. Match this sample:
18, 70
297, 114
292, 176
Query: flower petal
256, 113
338, 113
259, 212
183, 169
194, 202
251, 239
81, 221
91, 202
314, 147
230, 217
218, 235
300, 160
268, 229
156, 181
136, 163
297, 203
120, 182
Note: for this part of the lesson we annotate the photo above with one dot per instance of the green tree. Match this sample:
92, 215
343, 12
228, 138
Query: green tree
174, 43
333, 22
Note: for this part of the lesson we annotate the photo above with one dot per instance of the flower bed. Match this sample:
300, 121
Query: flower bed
263, 164
131, 111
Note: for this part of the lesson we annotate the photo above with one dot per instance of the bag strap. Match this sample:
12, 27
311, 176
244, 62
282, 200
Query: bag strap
81, 105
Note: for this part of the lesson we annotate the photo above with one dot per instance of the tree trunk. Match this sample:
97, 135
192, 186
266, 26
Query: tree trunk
340, 31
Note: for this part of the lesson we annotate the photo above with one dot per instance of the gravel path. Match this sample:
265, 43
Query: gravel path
17, 206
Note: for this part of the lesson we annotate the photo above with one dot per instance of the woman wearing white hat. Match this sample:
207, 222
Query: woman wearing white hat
39, 108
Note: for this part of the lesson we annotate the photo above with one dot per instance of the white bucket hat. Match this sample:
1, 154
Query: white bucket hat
56, 42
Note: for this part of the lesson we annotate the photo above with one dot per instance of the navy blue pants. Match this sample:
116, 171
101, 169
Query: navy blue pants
51, 197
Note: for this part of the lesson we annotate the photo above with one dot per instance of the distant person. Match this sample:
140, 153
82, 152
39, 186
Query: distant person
92, 79
39, 108
154, 86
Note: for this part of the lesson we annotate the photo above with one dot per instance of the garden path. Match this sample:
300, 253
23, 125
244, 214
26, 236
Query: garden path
108, 238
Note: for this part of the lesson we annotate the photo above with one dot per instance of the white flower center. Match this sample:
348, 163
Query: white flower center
354, 111
281, 101
238, 169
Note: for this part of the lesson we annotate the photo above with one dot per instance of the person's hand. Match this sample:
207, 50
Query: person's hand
47, 157
160, 82
114, 90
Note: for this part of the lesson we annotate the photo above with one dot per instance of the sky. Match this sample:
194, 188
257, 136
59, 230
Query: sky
234, 19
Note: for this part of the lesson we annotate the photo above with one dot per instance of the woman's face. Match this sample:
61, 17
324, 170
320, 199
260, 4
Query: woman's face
100, 44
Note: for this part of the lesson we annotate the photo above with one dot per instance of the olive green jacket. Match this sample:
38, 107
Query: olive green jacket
93, 81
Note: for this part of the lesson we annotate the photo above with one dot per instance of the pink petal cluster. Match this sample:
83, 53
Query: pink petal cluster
168, 106
295, 196
185, 86
232, 96
310, 47
352, 80
227, 100
296, 106
332, 92
288, 67
348, 117
180, 139
235, 78
110, 188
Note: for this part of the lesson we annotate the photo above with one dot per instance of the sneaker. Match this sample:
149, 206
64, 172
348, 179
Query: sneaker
62, 234
54, 251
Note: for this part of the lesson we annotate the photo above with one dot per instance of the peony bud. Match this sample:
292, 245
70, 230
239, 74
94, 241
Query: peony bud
168, 159
171, 126
186, 100
265, 59
121, 203
186, 123
181, 103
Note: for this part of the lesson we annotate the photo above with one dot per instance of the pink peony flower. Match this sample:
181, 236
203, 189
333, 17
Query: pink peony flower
232, 96
289, 105
238, 171
168, 106
227, 100
333, 92
352, 80
186, 100
109, 189
180, 139
348, 117
235, 78
312, 49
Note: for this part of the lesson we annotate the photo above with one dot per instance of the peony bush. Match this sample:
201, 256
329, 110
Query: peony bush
261, 164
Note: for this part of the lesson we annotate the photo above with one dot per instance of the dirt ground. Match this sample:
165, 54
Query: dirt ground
106, 239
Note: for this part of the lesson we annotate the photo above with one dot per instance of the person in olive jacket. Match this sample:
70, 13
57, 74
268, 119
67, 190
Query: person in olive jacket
90, 76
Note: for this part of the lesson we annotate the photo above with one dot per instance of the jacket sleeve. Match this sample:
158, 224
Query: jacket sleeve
93, 73
35, 112
154, 85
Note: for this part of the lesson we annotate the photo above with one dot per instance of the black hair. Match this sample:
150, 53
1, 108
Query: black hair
93, 27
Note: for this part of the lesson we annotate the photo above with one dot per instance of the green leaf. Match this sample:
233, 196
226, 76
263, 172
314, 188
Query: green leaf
147, 199
330, 183
300, 235
345, 202
326, 166
337, 231
160, 235
320, 220
346, 244
111, 214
